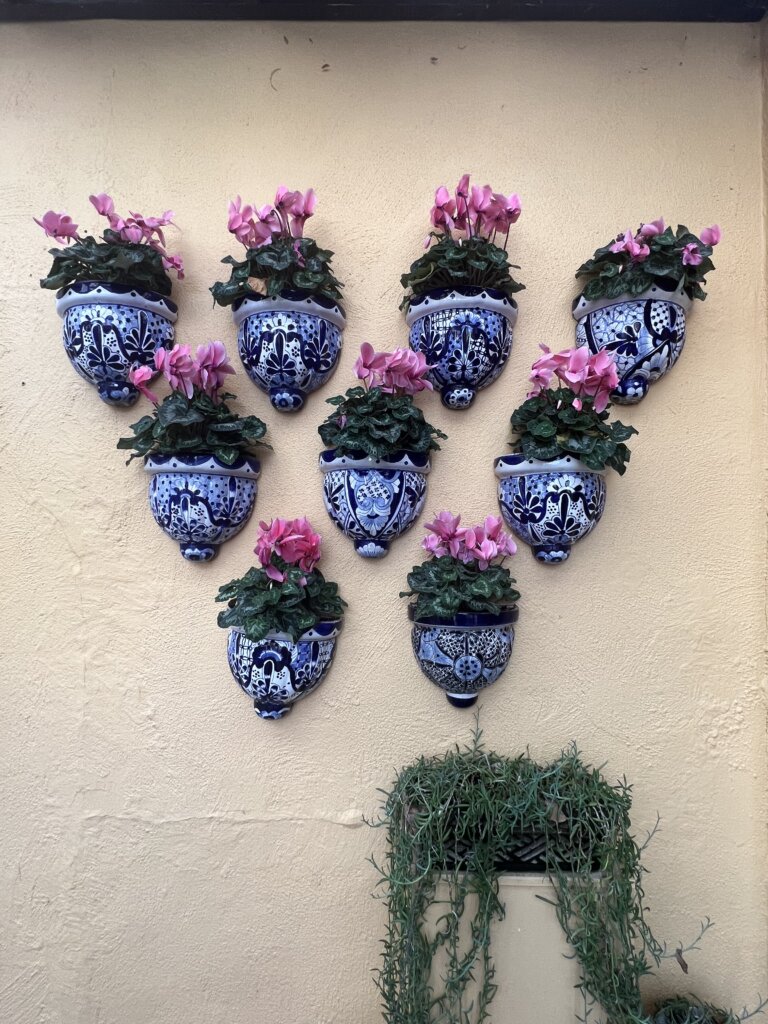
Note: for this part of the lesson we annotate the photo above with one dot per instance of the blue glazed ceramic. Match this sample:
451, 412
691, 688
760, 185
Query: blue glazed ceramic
549, 505
199, 501
466, 336
374, 501
289, 346
277, 671
108, 329
464, 654
645, 333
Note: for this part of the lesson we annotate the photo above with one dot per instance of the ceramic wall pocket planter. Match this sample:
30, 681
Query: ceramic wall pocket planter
289, 346
645, 334
374, 501
199, 501
277, 671
549, 505
464, 654
108, 329
465, 335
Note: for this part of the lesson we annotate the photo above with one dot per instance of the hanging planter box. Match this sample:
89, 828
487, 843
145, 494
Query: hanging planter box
374, 501
464, 654
290, 345
465, 335
109, 329
549, 505
199, 501
645, 333
277, 671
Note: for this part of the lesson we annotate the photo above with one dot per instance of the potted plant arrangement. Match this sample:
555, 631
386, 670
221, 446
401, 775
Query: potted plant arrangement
552, 488
688, 1010
458, 302
200, 455
283, 617
638, 293
112, 295
285, 301
376, 464
465, 607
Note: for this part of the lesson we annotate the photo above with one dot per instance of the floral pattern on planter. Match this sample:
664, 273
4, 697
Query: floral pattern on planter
465, 654
645, 333
549, 505
108, 329
199, 501
277, 671
289, 346
374, 501
466, 336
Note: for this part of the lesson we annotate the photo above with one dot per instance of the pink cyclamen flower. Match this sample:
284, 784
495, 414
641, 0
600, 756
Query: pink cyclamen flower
239, 219
288, 202
293, 540
174, 263
494, 530
502, 212
590, 376
443, 213
302, 211
139, 376
404, 372
178, 368
104, 204
691, 255
711, 236
211, 368
461, 196
369, 364
653, 228
637, 250
446, 537
58, 226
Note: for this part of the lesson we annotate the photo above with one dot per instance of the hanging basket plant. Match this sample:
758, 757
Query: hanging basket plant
459, 305
638, 292
113, 295
199, 453
552, 487
286, 302
376, 464
688, 1010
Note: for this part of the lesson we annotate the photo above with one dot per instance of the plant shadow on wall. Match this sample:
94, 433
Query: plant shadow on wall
459, 821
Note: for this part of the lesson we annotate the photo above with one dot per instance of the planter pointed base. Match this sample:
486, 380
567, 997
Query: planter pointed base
551, 554
198, 552
461, 700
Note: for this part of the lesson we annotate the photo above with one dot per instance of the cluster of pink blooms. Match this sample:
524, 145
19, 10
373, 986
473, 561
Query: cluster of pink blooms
481, 543
588, 376
474, 210
134, 229
293, 540
637, 245
255, 226
207, 371
400, 372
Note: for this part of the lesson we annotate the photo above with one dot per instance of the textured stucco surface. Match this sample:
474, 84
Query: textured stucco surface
164, 855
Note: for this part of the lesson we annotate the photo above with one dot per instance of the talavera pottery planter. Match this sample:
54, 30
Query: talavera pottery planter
374, 501
464, 654
108, 329
199, 501
549, 505
466, 336
289, 346
645, 333
277, 671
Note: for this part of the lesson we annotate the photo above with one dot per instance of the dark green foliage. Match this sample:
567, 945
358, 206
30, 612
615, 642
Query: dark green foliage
285, 265
112, 261
471, 263
378, 424
614, 273
445, 586
259, 605
456, 818
548, 427
198, 424
682, 1010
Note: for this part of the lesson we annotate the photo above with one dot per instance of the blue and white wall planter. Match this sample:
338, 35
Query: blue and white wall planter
464, 654
465, 335
108, 329
645, 333
277, 671
374, 501
199, 501
549, 505
290, 345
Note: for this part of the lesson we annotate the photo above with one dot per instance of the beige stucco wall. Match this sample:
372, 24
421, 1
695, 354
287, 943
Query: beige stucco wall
164, 855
